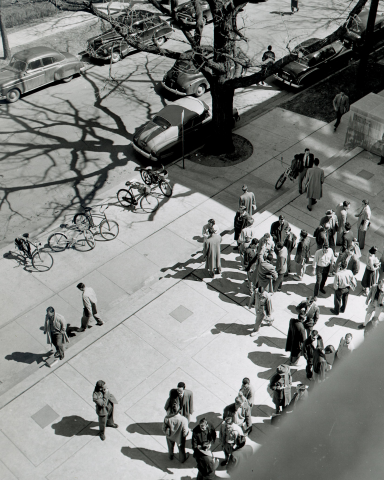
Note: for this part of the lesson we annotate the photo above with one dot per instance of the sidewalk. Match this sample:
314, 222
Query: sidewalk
165, 320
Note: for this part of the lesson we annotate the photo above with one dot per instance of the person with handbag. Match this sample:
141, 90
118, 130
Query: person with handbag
344, 281
176, 430
55, 328
105, 403
363, 223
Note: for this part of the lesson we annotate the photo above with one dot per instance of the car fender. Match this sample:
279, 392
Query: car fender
164, 31
18, 84
192, 88
66, 71
304, 78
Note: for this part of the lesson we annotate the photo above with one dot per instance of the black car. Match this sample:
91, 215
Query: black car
309, 68
356, 27
142, 25
188, 14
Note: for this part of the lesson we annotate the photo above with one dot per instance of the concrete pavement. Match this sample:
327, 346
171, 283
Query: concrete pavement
165, 320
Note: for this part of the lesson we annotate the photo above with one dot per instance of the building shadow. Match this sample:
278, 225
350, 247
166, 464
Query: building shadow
267, 360
27, 357
75, 426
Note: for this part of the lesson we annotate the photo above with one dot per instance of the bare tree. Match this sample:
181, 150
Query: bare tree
224, 71
4, 37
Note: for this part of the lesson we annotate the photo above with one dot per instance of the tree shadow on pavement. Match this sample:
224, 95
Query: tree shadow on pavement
75, 426
27, 357
267, 360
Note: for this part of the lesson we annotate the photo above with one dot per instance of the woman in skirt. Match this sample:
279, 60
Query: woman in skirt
371, 274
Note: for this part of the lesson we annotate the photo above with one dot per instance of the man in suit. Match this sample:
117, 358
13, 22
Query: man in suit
347, 238
351, 259
295, 338
311, 311
306, 162
278, 229
176, 430
311, 343
247, 200
201, 434
281, 266
240, 411
341, 106
105, 402
266, 273
185, 400
314, 180
330, 218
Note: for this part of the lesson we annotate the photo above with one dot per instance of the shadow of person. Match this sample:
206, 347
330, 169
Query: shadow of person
27, 357
331, 322
282, 13
278, 342
198, 239
152, 458
213, 418
267, 360
153, 428
75, 425
266, 409
232, 329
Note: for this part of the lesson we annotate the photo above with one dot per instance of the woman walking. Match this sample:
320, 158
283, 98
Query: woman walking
371, 274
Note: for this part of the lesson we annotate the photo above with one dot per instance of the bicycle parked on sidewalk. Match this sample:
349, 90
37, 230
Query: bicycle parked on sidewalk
289, 173
108, 229
81, 239
158, 176
42, 261
127, 198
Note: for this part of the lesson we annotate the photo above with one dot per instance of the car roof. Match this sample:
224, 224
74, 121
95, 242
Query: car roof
34, 52
192, 108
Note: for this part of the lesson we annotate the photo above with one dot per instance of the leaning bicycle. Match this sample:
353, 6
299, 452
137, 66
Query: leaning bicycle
108, 229
289, 173
80, 239
41, 260
158, 177
128, 198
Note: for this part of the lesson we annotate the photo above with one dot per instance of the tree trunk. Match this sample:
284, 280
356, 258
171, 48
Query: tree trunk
4, 38
222, 121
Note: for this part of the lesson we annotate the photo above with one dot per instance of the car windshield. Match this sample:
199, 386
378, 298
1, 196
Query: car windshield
354, 25
161, 122
302, 60
185, 66
18, 65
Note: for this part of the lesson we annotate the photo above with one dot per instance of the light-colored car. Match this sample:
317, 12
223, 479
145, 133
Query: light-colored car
34, 68
163, 136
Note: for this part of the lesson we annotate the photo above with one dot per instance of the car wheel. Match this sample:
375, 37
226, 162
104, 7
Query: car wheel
13, 95
200, 90
68, 79
116, 57
160, 40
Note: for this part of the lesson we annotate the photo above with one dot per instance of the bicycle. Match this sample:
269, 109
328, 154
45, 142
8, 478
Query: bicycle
289, 173
83, 240
148, 202
153, 176
108, 229
41, 261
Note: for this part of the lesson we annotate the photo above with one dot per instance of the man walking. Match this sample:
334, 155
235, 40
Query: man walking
324, 259
268, 58
212, 253
341, 106
343, 281
314, 181
55, 328
105, 402
375, 302
363, 223
306, 161
311, 311
185, 401
247, 200
311, 343
281, 266
89, 307
176, 429
302, 254
295, 338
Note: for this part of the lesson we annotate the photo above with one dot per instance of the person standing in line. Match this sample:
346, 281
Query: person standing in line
175, 427
346, 347
307, 159
281, 384
105, 403
324, 259
281, 266
240, 222
302, 254
212, 253
203, 433
240, 411
231, 435
351, 259
341, 106
266, 273
263, 308
319, 365
321, 235
371, 274
207, 464
289, 243
363, 223
247, 200
311, 311
89, 307
342, 216
185, 401
55, 328
330, 219
295, 338
375, 302
279, 229
347, 237
343, 282
314, 180
247, 391
313, 342
205, 231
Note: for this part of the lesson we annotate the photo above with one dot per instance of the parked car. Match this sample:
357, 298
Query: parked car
162, 136
356, 27
35, 67
142, 25
188, 14
309, 68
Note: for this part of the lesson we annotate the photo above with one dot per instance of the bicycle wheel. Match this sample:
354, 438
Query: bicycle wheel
149, 203
125, 198
81, 220
166, 188
280, 181
42, 261
58, 242
146, 177
109, 229
85, 241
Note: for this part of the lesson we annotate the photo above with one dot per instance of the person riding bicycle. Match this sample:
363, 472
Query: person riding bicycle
22, 243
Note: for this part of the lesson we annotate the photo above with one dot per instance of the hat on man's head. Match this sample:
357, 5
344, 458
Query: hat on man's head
373, 249
282, 369
329, 213
245, 187
279, 246
242, 208
365, 201
281, 217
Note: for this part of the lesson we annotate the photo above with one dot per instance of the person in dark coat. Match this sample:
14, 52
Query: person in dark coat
321, 234
330, 219
347, 237
247, 200
206, 463
307, 158
185, 398
202, 434
351, 259
280, 384
278, 229
266, 273
314, 180
212, 253
311, 311
302, 254
241, 413
105, 402
319, 365
295, 338
289, 244
241, 219
294, 5
311, 343
341, 106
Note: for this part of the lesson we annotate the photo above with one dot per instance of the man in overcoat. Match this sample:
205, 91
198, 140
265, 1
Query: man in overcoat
278, 229
306, 162
185, 401
105, 402
247, 200
311, 343
311, 311
280, 384
266, 273
211, 252
314, 180
296, 337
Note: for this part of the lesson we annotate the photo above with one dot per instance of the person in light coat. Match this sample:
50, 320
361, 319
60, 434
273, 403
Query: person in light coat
211, 252
363, 223
314, 180
89, 307
176, 430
